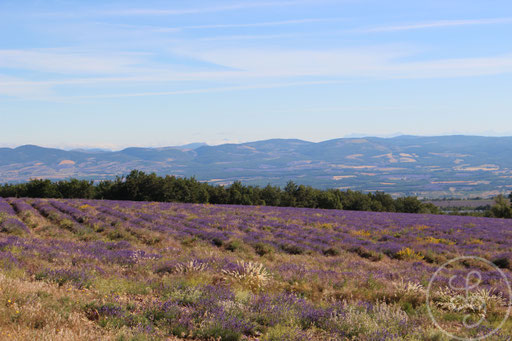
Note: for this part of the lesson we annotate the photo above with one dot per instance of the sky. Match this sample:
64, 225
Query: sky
113, 74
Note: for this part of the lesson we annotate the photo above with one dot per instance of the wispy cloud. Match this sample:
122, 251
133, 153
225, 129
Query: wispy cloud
232, 7
243, 37
186, 11
438, 24
453, 67
282, 62
257, 24
213, 90
263, 69
67, 61
355, 63
18, 88
352, 108
176, 29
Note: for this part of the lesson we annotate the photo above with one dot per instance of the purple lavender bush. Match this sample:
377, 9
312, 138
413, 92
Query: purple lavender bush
146, 270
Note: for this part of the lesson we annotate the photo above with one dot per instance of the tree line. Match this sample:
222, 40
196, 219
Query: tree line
501, 208
139, 186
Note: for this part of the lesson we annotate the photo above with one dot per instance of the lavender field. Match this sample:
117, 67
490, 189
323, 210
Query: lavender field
119, 270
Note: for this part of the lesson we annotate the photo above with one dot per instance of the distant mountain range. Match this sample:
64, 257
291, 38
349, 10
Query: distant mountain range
453, 166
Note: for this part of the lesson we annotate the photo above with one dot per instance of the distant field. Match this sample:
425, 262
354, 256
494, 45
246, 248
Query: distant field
112, 270
461, 203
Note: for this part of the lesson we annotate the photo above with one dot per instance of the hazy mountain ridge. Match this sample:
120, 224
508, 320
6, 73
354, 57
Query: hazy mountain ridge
427, 166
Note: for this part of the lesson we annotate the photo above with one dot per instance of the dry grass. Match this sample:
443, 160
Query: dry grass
35, 310
38, 308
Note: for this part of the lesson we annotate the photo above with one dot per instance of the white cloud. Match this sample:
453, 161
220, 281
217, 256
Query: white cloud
332, 67
455, 67
225, 8
239, 68
67, 61
369, 62
257, 24
242, 37
17, 87
357, 62
187, 11
438, 24
214, 89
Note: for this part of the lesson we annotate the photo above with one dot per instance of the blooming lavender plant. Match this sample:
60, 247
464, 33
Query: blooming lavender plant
229, 272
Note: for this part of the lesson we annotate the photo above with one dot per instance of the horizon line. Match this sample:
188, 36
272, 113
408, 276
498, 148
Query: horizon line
106, 148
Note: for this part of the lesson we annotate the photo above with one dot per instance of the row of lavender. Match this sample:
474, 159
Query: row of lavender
9, 221
412, 237
296, 230
86, 240
15, 211
292, 230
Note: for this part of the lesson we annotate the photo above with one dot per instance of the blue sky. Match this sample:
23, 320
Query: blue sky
113, 74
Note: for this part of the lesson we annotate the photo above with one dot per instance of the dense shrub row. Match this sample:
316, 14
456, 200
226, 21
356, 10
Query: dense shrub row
140, 186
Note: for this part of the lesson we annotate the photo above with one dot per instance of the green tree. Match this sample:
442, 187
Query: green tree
238, 194
146, 187
329, 200
289, 195
408, 205
271, 195
501, 207
76, 189
9, 190
356, 201
387, 204
305, 196
38, 188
